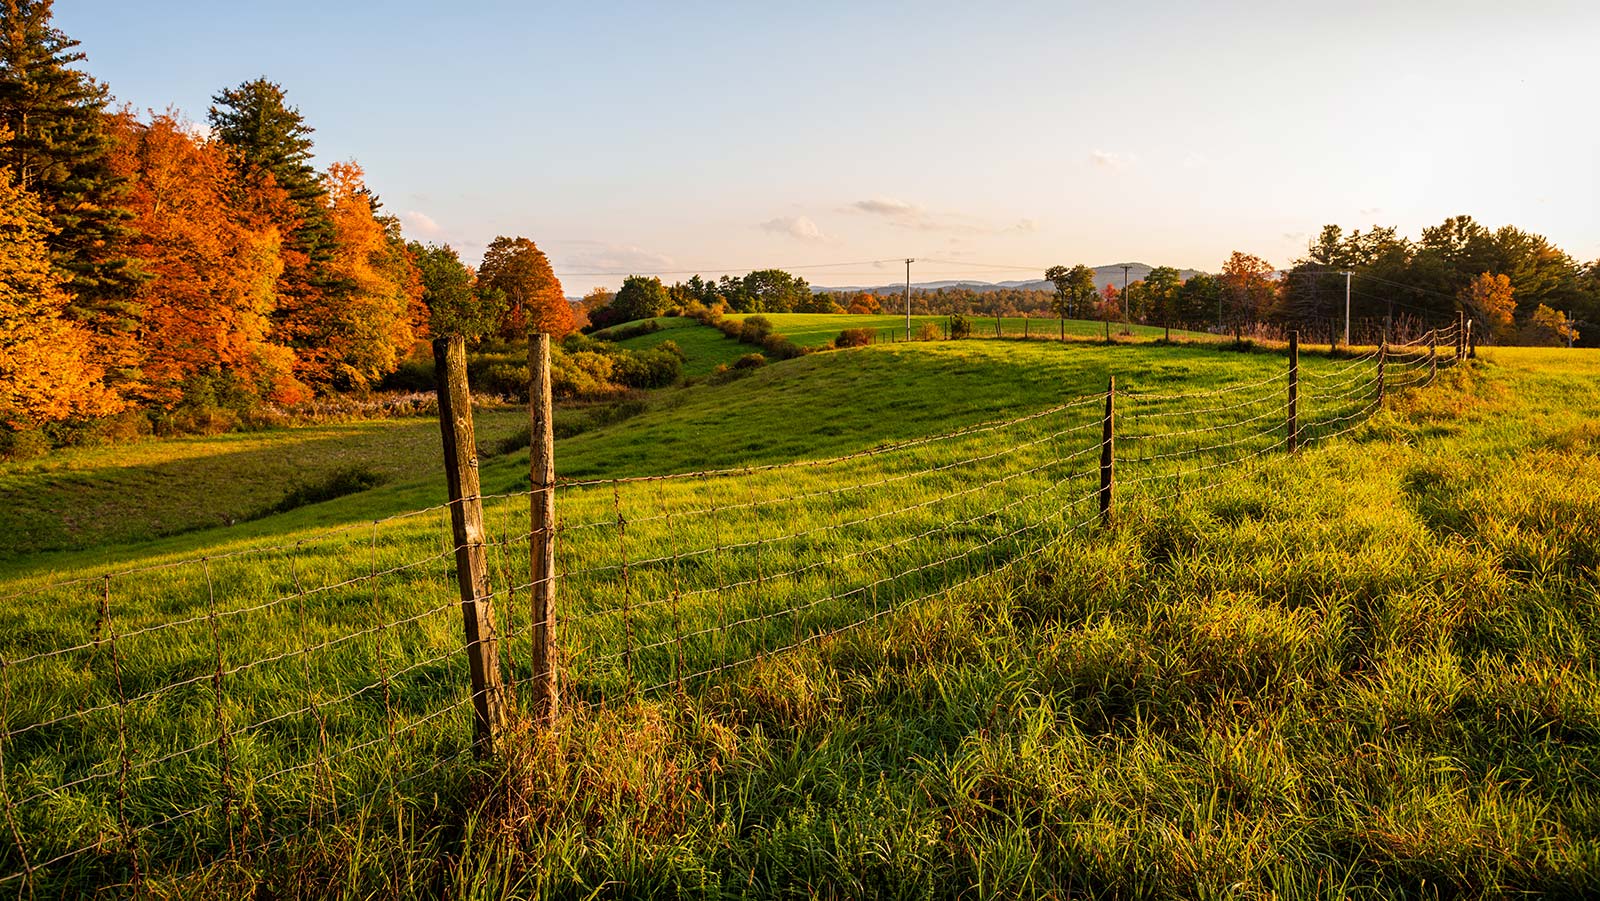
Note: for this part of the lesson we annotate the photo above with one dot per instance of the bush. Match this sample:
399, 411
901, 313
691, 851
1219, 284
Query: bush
646, 369
750, 361
928, 332
671, 347
960, 327
582, 374
414, 374
780, 348
504, 380
339, 483
854, 337
755, 329
23, 445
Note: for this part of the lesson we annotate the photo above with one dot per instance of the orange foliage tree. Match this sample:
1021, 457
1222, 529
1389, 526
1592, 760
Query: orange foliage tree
46, 370
1249, 290
535, 302
365, 327
207, 310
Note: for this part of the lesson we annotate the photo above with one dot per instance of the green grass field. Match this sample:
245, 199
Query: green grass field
1361, 671
705, 348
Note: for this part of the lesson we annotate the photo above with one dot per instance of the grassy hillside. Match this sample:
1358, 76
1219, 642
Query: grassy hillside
1362, 671
705, 348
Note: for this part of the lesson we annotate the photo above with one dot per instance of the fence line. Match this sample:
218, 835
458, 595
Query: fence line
184, 710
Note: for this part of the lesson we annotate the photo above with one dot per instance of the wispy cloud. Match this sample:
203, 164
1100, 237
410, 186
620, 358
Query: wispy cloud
801, 228
902, 214
601, 257
1107, 159
1371, 210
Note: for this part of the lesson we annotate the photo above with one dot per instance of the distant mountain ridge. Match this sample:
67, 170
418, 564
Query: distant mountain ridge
1103, 275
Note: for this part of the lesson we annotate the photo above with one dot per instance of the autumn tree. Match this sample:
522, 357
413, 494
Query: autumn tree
1248, 289
57, 150
865, 303
1548, 327
364, 327
1490, 300
208, 307
47, 372
535, 302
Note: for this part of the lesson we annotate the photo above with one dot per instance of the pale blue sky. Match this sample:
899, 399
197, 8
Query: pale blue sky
699, 136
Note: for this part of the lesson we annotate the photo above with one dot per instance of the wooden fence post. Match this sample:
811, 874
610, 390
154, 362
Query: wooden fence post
1433, 355
1472, 342
1294, 391
1461, 334
1108, 331
1108, 460
1383, 352
1063, 329
466, 528
542, 531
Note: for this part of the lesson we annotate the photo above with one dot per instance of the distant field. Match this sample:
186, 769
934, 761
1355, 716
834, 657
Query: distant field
1359, 672
705, 348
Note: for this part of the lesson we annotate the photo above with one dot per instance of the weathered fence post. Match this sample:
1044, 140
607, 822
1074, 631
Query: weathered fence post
1024, 328
466, 527
1461, 334
1108, 460
997, 333
1433, 355
542, 531
1294, 391
1383, 352
1108, 331
1063, 329
1472, 342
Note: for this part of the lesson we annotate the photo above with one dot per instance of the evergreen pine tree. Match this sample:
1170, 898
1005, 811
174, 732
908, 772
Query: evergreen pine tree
58, 151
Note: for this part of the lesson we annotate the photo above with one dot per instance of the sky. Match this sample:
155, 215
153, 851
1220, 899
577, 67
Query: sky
987, 141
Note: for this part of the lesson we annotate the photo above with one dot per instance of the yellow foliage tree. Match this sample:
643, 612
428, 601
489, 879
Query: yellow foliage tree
367, 325
1490, 300
46, 368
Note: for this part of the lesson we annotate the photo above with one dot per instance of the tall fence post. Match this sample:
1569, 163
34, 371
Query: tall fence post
466, 528
1472, 342
1383, 353
542, 544
1108, 460
1294, 391
1461, 334
1433, 355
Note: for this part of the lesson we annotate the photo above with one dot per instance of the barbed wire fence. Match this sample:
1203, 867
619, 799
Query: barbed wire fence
157, 718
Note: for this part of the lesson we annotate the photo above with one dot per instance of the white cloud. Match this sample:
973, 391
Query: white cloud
419, 223
1371, 210
887, 206
600, 257
1107, 159
801, 228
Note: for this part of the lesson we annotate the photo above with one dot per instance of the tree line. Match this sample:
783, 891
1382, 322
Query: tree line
148, 263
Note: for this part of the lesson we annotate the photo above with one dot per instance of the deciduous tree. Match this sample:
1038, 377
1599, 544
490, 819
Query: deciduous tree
1490, 300
535, 301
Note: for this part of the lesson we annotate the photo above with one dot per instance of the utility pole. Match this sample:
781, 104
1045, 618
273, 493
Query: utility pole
1125, 268
1347, 273
909, 261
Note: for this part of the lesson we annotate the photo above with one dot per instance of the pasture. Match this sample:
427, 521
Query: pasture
885, 647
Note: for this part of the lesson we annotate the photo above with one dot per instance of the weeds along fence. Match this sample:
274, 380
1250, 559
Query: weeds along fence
159, 718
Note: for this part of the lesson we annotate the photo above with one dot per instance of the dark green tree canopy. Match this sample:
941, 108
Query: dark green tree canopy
268, 137
640, 298
456, 305
58, 148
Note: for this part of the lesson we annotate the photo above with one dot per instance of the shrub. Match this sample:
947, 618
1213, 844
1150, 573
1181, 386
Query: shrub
582, 374
339, 483
732, 328
755, 329
960, 327
414, 374
505, 380
750, 361
780, 348
928, 332
646, 369
671, 347
854, 337
23, 445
